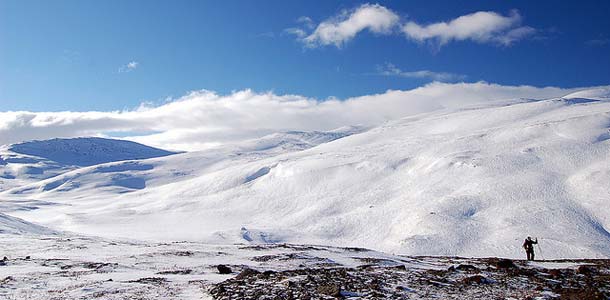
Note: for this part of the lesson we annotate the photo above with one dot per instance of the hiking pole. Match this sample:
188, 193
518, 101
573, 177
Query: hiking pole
540, 250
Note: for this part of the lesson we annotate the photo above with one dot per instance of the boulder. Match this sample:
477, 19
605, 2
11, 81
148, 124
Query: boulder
246, 273
466, 268
332, 290
584, 270
504, 263
474, 279
222, 269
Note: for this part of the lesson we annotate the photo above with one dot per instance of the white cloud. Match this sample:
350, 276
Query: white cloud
482, 27
391, 70
130, 66
344, 27
215, 119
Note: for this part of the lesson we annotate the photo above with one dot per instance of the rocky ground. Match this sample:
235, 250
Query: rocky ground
463, 278
76, 267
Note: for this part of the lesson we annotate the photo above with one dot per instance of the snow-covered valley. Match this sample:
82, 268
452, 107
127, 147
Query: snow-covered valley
463, 182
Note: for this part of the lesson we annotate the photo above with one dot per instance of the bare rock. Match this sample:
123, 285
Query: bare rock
247, 273
332, 290
584, 270
222, 269
468, 268
475, 279
582, 294
504, 263
555, 273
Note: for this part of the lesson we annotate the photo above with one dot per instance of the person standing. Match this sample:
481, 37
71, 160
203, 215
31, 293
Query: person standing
528, 245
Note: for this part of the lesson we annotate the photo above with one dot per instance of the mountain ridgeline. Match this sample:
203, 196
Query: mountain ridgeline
87, 151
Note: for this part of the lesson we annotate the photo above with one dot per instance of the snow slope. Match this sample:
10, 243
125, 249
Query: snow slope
601, 93
472, 182
12, 225
124, 175
18, 169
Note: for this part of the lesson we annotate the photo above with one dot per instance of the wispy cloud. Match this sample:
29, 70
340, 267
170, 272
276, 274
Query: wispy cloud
600, 42
307, 22
70, 56
391, 70
482, 27
298, 32
207, 116
130, 66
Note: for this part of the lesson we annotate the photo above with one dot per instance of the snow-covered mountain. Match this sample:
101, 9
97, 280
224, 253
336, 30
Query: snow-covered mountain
37, 160
471, 182
87, 151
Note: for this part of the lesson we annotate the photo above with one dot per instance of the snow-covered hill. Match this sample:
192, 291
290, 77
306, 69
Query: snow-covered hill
471, 182
119, 174
12, 225
33, 161
87, 151
294, 140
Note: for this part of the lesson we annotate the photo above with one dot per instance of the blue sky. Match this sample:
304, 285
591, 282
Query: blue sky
74, 55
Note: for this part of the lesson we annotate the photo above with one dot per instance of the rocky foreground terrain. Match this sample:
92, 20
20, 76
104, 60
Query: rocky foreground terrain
463, 279
76, 267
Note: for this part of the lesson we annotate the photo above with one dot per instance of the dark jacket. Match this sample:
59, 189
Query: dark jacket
529, 244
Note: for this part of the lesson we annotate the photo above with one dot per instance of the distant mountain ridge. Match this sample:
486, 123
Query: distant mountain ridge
87, 151
33, 161
119, 166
